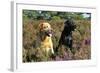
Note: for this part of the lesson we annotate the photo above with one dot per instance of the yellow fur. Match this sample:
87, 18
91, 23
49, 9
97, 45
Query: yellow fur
46, 44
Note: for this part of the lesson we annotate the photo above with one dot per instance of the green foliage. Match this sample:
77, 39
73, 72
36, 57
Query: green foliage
52, 15
55, 18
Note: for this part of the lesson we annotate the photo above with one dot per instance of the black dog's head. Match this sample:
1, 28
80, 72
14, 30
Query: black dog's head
69, 25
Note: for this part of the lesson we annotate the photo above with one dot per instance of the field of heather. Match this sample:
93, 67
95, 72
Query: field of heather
81, 41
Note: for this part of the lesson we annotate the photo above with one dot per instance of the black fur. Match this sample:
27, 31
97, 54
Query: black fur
66, 36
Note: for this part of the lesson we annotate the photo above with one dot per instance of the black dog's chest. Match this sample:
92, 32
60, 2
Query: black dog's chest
67, 39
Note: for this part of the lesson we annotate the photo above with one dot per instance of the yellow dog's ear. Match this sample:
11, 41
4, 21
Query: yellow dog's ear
40, 26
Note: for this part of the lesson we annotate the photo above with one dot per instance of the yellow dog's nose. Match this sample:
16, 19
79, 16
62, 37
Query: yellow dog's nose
49, 33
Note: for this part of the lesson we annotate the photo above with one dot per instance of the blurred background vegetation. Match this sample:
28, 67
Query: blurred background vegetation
53, 15
81, 36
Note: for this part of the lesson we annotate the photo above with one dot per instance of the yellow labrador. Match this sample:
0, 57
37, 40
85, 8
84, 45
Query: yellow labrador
46, 40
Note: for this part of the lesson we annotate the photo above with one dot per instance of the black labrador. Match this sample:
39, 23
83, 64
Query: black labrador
66, 36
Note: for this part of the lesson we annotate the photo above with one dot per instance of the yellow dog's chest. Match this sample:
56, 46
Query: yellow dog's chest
47, 43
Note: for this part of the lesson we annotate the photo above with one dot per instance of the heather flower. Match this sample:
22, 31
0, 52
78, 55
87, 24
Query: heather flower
87, 42
58, 58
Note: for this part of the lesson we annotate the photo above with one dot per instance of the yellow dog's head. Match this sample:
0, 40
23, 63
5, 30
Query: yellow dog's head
45, 28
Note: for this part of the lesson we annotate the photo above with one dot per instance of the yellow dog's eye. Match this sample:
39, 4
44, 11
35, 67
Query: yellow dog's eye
44, 27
